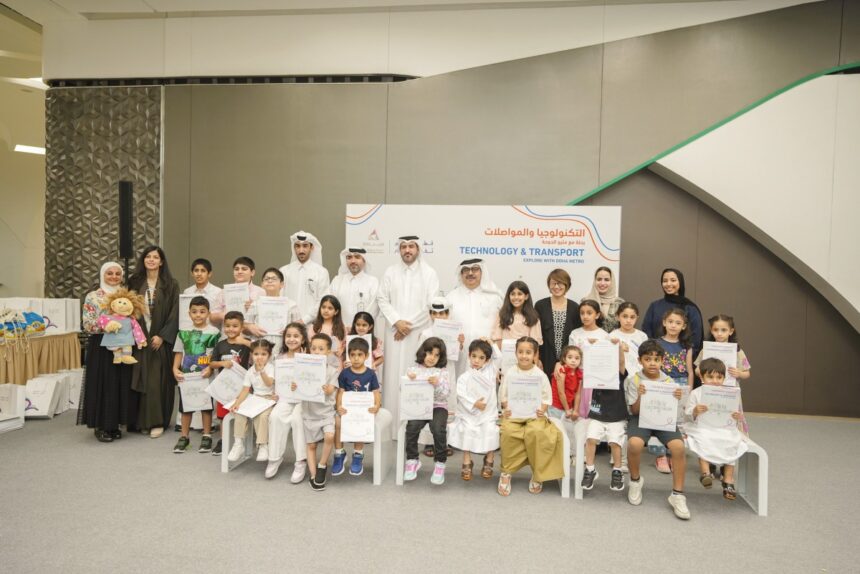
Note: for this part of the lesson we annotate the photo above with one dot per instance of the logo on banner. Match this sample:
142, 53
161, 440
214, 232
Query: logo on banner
374, 236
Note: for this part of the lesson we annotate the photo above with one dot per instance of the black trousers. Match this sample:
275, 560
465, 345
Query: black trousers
439, 429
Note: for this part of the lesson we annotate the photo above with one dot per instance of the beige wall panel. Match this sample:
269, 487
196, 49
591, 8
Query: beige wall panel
525, 131
850, 51
176, 178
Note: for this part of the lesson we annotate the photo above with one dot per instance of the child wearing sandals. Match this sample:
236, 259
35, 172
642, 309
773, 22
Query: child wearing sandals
475, 429
431, 360
535, 442
714, 445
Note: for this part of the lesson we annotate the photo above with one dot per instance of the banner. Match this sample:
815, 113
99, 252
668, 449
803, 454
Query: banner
518, 242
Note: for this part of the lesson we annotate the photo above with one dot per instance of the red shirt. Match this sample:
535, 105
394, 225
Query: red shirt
572, 379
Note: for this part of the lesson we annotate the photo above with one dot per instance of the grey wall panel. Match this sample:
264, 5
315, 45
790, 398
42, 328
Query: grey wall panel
94, 138
268, 160
660, 89
850, 51
176, 175
803, 353
525, 131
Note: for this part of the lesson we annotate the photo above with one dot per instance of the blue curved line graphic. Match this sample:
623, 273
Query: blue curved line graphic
366, 219
574, 215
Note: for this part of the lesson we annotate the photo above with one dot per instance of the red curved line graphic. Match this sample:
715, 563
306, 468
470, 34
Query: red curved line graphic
529, 215
363, 214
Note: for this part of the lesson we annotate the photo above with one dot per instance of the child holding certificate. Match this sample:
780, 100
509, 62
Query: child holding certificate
720, 443
191, 354
355, 378
273, 284
244, 270
651, 356
440, 309
628, 334
260, 378
529, 440
475, 429
330, 322
592, 325
235, 349
286, 417
363, 324
430, 362
318, 418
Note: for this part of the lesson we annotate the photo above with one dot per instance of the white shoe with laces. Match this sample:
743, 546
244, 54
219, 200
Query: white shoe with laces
262, 453
299, 471
238, 450
634, 491
678, 502
272, 467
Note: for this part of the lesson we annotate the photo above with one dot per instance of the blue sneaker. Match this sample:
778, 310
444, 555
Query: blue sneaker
357, 466
337, 465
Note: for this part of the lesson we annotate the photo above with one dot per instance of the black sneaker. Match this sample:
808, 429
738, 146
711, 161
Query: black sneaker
217, 450
205, 444
182, 445
116, 434
617, 482
319, 478
588, 478
103, 436
314, 485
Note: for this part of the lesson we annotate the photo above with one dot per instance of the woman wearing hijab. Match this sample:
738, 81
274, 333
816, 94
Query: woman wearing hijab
559, 316
605, 292
673, 285
152, 377
106, 386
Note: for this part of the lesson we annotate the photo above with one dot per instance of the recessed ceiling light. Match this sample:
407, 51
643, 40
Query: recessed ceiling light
30, 149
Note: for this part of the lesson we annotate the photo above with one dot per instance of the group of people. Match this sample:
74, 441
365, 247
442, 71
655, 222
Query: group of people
504, 337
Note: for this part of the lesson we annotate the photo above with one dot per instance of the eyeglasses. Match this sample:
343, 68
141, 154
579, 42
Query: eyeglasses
271, 278
473, 270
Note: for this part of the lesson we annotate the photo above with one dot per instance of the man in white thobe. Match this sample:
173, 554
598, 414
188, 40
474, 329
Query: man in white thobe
354, 287
475, 303
305, 279
404, 300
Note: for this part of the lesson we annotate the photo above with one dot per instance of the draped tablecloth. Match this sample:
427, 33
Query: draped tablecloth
45, 354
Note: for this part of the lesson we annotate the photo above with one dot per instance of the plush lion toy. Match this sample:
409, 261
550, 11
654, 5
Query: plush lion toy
120, 325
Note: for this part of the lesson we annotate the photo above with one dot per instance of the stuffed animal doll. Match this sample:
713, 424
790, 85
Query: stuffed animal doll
120, 325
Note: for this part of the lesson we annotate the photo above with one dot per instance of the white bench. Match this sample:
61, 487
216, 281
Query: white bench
751, 476
564, 482
381, 439
227, 442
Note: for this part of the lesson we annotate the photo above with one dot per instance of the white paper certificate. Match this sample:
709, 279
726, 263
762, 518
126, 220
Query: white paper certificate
228, 384
284, 369
721, 403
273, 314
309, 376
357, 425
185, 323
252, 405
416, 399
235, 296
368, 362
600, 365
631, 357
524, 396
727, 353
449, 331
658, 407
509, 354
192, 389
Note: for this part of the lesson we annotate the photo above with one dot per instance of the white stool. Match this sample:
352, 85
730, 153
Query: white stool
227, 443
565, 480
381, 440
751, 476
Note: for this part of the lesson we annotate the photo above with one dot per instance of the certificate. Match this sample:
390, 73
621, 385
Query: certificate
509, 354
524, 396
235, 297
631, 357
273, 314
449, 331
658, 407
357, 425
309, 376
727, 353
228, 384
368, 362
416, 399
721, 403
600, 365
185, 323
192, 389
252, 405
284, 380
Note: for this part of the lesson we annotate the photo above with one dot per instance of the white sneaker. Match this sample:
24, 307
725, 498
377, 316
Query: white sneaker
634, 491
678, 502
299, 471
263, 453
238, 450
272, 467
